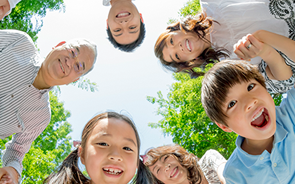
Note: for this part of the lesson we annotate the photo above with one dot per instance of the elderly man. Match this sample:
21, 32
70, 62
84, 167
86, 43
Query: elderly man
25, 82
6, 7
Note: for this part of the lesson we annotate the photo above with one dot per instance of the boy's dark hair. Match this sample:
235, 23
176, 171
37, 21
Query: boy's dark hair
128, 47
219, 79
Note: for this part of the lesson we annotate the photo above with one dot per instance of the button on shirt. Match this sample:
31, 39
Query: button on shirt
277, 167
24, 110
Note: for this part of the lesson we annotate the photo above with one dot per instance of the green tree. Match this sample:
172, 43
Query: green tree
50, 148
22, 15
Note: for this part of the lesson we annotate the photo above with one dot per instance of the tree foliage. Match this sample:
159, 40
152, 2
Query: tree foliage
21, 17
50, 148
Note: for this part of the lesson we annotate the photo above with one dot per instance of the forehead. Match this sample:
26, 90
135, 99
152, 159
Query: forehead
117, 128
86, 55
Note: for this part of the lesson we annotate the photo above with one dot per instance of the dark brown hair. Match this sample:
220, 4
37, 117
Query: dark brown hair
186, 160
69, 172
200, 25
219, 79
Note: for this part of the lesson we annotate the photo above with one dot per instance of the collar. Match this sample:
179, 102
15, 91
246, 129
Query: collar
250, 160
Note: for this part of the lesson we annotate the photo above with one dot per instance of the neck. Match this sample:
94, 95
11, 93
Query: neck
256, 147
115, 1
39, 81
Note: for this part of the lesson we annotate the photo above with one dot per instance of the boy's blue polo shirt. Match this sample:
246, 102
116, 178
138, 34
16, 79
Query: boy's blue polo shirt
274, 168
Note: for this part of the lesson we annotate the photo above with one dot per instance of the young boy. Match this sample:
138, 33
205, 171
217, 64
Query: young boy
125, 27
235, 98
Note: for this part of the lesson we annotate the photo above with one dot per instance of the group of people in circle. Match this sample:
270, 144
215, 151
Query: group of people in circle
250, 44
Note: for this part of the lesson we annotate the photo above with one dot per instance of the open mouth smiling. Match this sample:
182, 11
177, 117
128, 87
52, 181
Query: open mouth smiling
123, 14
113, 171
261, 119
187, 44
174, 172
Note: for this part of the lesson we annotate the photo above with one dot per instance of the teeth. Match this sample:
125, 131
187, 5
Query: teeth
266, 117
62, 68
187, 45
113, 171
173, 172
123, 14
258, 115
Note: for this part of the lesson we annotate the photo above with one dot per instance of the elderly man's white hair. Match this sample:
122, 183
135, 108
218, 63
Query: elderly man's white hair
84, 42
12, 4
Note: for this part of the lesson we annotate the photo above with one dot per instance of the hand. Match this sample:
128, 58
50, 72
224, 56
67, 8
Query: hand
249, 47
8, 175
4, 8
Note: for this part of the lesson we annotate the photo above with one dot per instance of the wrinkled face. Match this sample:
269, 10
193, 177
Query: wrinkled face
66, 63
124, 22
181, 47
168, 170
111, 153
250, 110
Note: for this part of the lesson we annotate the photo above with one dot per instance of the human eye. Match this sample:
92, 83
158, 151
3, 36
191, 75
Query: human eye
177, 57
117, 30
132, 27
79, 67
102, 144
171, 41
231, 104
158, 170
250, 87
165, 158
127, 149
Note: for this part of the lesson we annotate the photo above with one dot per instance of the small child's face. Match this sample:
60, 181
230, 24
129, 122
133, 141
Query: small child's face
168, 170
111, 153
124, 22
250, 111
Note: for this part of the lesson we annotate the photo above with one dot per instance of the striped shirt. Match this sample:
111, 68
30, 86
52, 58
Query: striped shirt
24, 110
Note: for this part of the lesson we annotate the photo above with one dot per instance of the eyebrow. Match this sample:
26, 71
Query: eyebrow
127, 139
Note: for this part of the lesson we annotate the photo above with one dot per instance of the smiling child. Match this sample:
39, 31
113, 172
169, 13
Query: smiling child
235, 98
110, 152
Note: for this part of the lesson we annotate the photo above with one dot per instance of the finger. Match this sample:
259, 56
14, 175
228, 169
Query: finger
239, 54
253, 40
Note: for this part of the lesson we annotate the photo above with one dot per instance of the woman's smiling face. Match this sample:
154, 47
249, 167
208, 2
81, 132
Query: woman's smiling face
168, 170
181, 46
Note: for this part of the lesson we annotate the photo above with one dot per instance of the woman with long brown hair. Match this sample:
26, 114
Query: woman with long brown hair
174, 165
211, 35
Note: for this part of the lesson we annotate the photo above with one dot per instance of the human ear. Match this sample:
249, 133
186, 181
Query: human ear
59, 44
223, 127
80, 153
141, 18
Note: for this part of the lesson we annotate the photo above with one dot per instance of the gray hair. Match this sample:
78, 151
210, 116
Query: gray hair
83, 42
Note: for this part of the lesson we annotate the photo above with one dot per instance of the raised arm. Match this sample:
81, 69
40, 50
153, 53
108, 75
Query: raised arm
281, 43
251, 46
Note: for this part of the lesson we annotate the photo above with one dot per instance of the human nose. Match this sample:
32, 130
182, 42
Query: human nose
115, 156
123, 20
250, 104
167, 167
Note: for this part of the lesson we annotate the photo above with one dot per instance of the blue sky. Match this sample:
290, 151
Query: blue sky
124, 79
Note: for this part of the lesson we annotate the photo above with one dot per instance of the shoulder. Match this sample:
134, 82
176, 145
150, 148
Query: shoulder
14, 34
232, 170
